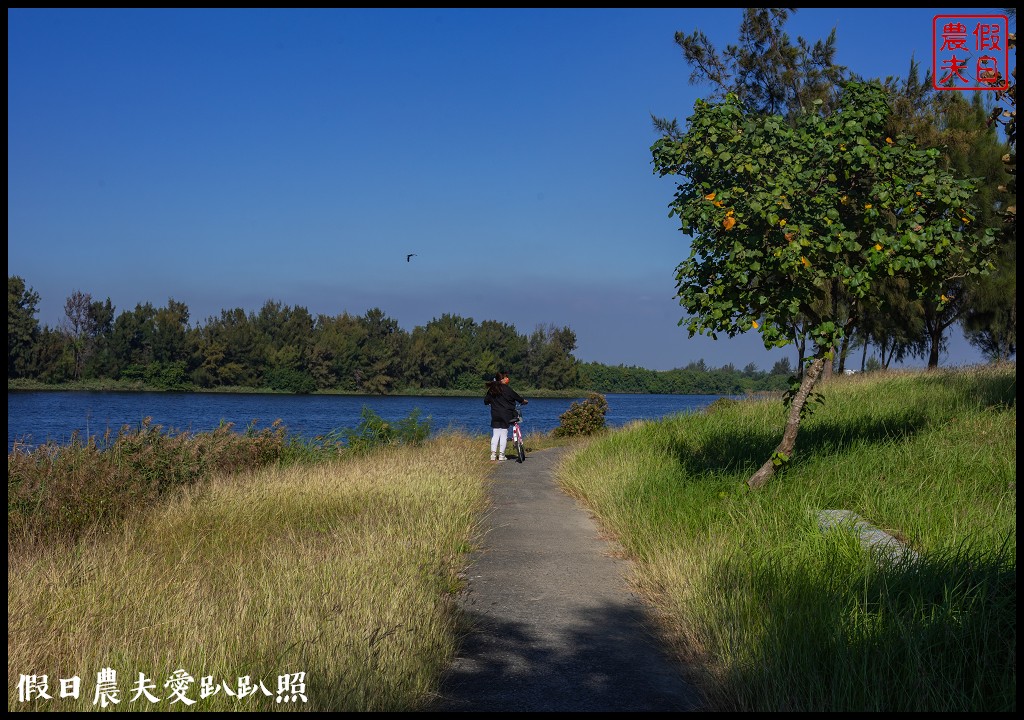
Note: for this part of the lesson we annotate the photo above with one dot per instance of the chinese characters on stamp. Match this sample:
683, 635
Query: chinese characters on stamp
970, 52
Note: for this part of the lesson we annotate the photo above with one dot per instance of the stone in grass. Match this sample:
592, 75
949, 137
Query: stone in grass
879, 542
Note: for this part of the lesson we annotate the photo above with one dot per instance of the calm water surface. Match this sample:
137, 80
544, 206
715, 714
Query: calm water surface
37, 417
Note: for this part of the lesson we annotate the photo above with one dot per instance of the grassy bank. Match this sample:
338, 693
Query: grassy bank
782, 616
342, 570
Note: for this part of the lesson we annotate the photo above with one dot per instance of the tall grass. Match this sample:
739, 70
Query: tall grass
55, 492
343, 570
785, 617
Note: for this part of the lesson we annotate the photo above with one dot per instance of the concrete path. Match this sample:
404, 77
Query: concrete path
556, 628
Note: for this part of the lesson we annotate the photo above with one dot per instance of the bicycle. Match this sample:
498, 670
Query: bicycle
517, 437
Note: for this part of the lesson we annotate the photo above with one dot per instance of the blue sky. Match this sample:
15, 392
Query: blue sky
223, 158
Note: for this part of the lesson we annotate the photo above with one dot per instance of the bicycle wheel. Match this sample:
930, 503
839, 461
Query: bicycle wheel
520, 450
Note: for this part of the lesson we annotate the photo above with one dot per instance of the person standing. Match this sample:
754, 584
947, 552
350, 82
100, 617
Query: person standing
502, 399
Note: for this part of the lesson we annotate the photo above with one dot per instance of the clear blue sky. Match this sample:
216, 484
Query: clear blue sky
223, 158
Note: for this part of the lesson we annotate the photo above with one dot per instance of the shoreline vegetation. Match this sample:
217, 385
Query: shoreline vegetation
103, 385
232, 556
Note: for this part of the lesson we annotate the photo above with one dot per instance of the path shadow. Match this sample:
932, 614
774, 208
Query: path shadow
607, 662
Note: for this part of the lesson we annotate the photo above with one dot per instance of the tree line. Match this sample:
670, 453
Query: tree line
860, 221
287, 348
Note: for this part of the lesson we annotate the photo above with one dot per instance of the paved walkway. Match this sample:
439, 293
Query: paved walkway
556, 628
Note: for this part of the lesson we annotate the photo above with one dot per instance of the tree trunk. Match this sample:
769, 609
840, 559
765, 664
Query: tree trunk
887, 354
933, 353
792, 424
800, 358
844, 350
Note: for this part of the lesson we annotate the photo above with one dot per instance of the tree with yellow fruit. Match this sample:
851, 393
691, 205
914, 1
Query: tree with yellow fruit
788, 220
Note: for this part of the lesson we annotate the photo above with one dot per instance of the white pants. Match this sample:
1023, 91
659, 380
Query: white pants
499, 438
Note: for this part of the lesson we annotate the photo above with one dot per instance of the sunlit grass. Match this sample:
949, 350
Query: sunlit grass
784, 617
343, 571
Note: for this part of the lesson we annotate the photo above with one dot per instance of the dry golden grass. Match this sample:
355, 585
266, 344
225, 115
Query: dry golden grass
344, 572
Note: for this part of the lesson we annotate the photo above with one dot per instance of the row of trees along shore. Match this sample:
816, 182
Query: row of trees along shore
841, 214
287, 349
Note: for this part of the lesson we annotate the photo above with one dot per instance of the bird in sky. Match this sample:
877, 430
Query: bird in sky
409, 257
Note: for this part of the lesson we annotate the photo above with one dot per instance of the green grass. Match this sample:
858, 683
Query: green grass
783, 617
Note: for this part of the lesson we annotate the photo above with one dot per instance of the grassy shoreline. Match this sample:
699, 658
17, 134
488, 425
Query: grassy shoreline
267, 559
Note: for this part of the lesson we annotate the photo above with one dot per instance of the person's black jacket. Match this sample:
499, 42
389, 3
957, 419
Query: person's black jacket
503, 406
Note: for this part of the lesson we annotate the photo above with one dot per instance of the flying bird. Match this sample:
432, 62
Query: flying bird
409, 257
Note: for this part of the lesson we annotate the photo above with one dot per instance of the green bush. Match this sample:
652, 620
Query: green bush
720, 404
159, 375
583, 418
373, 431
289, 380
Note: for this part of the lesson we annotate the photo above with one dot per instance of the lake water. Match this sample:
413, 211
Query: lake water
35, 417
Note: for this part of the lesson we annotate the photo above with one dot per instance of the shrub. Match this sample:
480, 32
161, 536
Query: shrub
159, 375
56, 491
373, 431
290, 380
720, 404
583, 418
